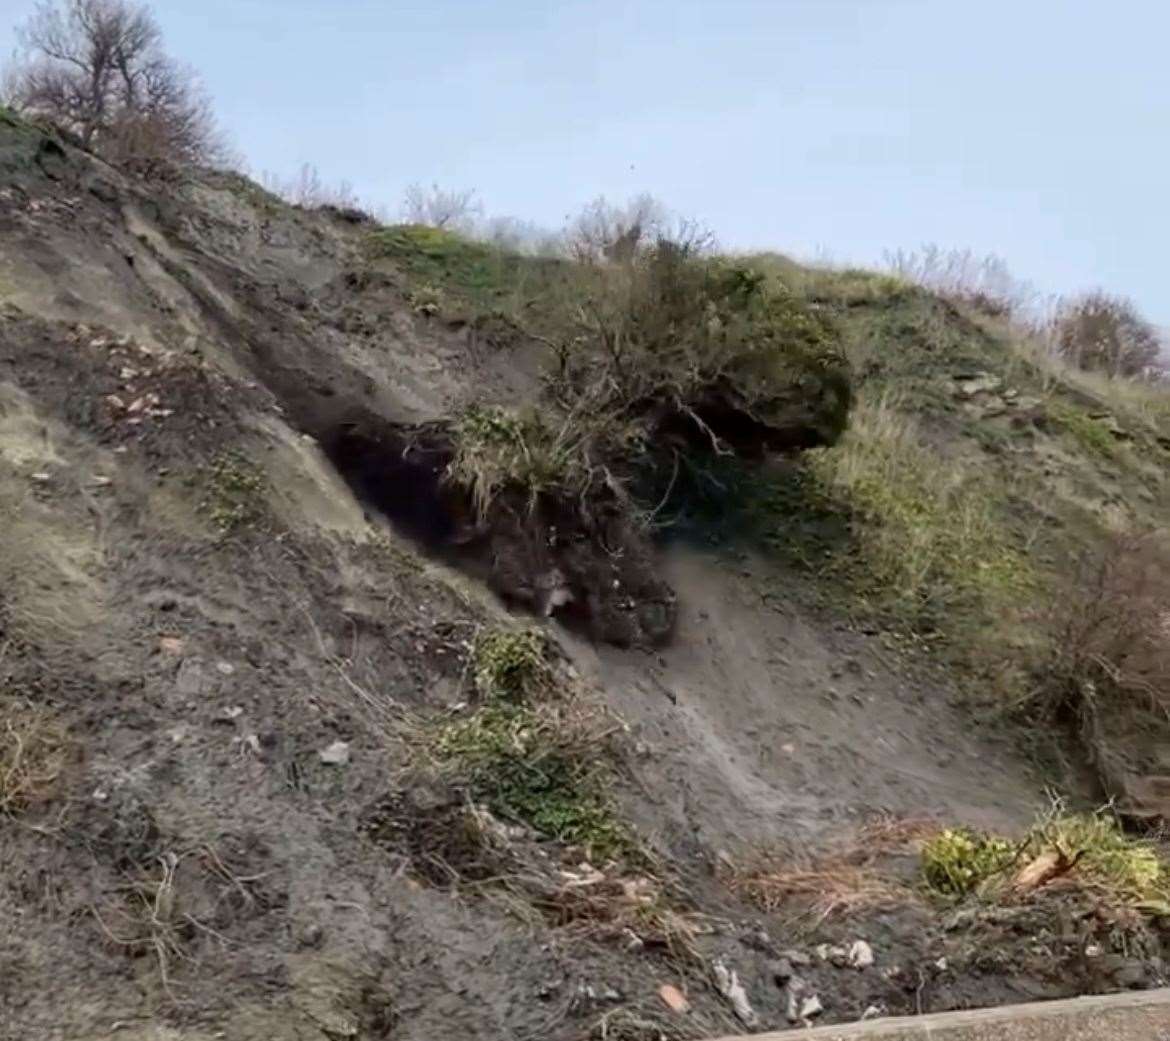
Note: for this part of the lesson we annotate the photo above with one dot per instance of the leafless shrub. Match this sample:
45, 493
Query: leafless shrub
984, 281
607, 231
1098, 332
309, 190
97, 69
440, 208
1108, 671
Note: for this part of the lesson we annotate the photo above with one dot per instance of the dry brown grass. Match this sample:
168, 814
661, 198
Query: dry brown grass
844, 880
34, 749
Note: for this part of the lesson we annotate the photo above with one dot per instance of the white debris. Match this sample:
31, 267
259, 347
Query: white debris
337, 754
810, 1008
860, 955
729, 986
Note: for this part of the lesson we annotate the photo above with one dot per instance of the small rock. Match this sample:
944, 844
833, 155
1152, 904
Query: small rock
171, 645
337, 754
811, 1007
861, 955
795, 996
941, 965
874, 1012
674, 999
1093, 951
224, 668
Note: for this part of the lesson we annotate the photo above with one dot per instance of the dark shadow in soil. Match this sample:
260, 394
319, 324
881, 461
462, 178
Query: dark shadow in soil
399, 478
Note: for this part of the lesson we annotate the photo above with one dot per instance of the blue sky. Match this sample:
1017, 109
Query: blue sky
1038, 130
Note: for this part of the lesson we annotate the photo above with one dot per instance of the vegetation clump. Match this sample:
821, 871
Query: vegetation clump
958, 861
511, 664
1087, 851
233, 490
537, 767
496, 449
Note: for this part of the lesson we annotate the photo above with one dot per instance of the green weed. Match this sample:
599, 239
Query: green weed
958, 861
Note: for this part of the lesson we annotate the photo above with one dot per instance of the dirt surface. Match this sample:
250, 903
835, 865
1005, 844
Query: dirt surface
190, 586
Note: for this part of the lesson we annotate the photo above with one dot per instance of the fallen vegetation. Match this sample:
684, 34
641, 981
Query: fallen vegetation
34, 750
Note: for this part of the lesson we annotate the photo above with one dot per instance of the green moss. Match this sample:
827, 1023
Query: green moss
233, 493
528, 766
511, 664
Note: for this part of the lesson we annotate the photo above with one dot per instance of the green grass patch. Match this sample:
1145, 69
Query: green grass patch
958, 861
1090, 434
929, 536
538, 766
497, 449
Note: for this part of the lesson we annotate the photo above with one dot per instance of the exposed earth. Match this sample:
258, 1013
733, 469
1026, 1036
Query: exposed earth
233, 586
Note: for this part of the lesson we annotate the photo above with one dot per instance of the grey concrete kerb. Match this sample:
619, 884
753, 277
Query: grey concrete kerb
1141, 1016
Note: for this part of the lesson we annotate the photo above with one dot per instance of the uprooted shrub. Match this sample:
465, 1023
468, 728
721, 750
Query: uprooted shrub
667, 354
1107, 671
704, 351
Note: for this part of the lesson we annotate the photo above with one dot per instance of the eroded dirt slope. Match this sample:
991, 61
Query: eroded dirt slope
195, 596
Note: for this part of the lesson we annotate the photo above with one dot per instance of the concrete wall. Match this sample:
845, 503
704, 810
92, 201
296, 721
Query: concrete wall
1142, 1016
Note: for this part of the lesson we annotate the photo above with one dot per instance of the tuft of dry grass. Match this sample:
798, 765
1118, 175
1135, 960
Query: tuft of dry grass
842, 881
34, 748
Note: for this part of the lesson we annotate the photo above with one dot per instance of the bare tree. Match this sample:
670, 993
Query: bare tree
1104, 333
440, 208
97, 69
604, 230
308, 190
982, 280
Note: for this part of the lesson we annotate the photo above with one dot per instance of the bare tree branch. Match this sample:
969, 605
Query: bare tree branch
97, 68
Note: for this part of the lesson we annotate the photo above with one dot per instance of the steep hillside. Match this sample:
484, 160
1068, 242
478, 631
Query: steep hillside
405, 639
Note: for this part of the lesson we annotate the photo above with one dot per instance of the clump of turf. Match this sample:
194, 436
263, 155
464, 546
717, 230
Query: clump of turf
496, 449
537, 767
511, 664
